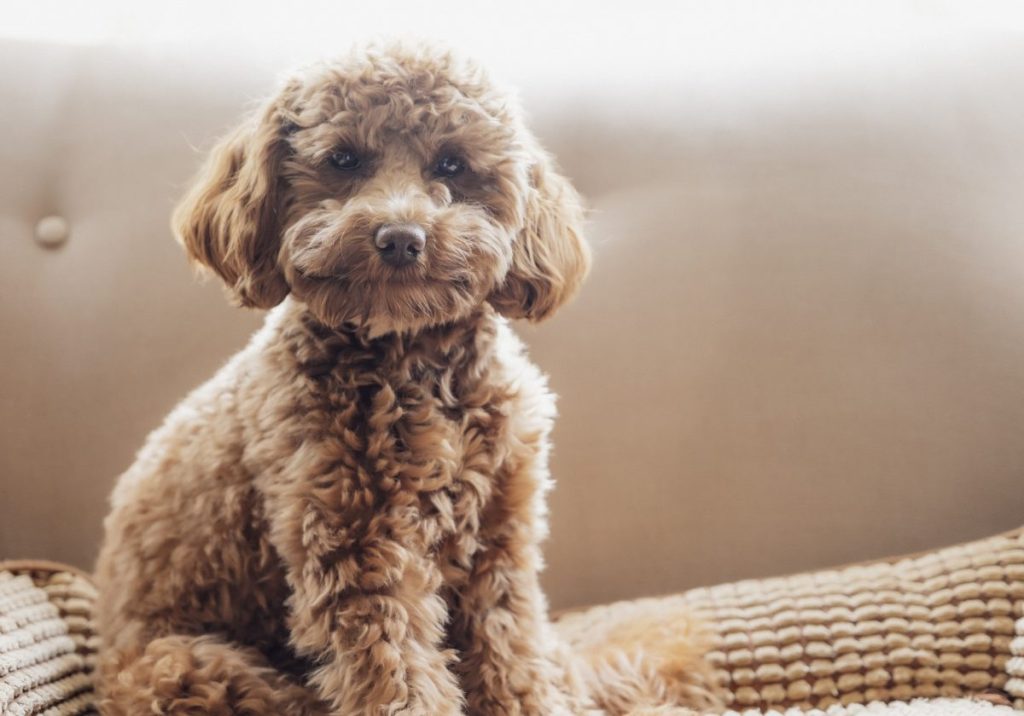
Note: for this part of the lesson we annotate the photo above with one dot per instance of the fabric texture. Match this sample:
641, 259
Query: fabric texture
47, 641
945, 623
917, 707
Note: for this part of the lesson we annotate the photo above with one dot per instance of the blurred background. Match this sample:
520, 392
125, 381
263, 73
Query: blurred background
803, 340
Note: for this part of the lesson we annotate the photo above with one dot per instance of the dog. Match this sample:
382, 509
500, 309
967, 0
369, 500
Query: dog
346, 519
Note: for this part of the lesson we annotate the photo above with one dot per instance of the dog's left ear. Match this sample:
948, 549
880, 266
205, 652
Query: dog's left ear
550, 258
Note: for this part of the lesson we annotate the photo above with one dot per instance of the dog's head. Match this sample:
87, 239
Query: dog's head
395, 189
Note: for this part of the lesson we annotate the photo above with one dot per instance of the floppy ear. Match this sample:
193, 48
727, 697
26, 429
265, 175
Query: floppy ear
550, 257
228, 222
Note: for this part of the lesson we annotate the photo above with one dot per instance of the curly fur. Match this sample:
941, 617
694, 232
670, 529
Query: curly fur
346, 519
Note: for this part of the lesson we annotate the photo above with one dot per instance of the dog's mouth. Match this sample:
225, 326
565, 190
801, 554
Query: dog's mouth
404, 274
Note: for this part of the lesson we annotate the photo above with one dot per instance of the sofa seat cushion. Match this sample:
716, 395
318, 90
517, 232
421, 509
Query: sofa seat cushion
935, 633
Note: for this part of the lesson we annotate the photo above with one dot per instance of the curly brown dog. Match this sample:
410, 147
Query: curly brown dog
346, 519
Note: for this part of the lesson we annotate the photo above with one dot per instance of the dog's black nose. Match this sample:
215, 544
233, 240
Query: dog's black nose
400, 244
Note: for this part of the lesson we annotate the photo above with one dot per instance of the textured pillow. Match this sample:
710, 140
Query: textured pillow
47, 642
940, 624
918, 707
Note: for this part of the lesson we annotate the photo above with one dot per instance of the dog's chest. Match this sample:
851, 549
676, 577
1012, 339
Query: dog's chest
407, 451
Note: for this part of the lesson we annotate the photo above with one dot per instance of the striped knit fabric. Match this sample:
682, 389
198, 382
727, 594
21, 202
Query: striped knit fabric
47, 643
946, 623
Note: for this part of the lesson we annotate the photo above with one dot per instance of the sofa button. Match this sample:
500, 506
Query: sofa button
52, 231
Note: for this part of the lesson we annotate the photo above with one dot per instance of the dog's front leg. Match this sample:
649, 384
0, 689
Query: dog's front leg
366, 608
380, 652
379, 648
509, 662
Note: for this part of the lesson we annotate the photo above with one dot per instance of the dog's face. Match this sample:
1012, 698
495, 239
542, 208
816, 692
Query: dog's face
395, 189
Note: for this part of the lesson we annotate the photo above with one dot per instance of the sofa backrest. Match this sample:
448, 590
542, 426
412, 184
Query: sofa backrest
802, 342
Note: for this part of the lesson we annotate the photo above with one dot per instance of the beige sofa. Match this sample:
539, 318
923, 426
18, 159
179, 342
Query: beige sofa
802, 343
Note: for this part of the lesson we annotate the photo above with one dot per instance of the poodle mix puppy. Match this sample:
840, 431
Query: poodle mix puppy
346, 518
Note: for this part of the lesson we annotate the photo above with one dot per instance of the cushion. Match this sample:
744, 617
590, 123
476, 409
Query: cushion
47, 641
917, 707
945, 623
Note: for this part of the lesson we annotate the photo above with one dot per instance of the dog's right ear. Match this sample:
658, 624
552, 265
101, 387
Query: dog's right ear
229, 220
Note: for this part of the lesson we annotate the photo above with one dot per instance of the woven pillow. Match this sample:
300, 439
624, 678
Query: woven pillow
917, 707
941, 624
47, 641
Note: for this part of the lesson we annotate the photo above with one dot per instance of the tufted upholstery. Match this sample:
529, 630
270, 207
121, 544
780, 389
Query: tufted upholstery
802, 343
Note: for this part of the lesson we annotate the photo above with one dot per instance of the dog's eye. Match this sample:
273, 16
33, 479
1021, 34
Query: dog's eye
449, 166
345, 159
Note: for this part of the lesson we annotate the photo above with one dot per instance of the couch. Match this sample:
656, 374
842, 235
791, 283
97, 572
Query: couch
802, 343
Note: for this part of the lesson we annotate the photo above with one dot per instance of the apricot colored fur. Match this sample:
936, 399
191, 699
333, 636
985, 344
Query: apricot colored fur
346, 519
